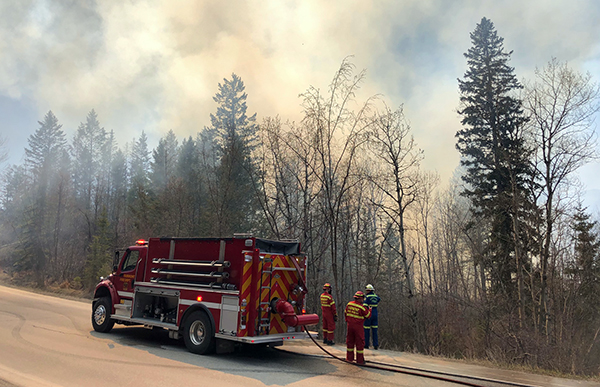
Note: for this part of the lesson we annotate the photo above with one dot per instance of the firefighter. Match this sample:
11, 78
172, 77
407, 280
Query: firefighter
355, 314
329, 314
371, 300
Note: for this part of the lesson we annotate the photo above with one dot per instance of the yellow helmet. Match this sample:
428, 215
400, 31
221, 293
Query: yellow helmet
369, 287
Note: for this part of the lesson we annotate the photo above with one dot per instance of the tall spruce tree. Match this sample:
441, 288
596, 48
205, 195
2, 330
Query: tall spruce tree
140, 162
164, 161
587, 250
88, 146
232, 196
493, 153
119, 186
47, 161
104, 181
230, 122
141, 199
46, 147
189, 191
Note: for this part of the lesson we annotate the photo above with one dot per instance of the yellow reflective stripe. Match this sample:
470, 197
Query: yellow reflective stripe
374, 326
359, 307
353, 308
355, 316
349, 349
357, 351
369, 327
326, 300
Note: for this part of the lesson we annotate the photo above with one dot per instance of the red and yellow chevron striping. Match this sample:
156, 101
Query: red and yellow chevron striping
277, 278
245, 296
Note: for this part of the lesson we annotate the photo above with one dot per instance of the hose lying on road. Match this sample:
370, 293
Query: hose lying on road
437, 375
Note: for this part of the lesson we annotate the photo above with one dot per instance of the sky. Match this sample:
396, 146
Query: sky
155, 65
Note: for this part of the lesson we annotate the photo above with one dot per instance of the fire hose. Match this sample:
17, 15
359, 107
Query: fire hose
289, 316
437, 375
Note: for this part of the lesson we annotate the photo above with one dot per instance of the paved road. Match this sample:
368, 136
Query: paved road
49, 341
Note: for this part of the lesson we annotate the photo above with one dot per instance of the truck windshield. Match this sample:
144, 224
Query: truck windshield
131, 260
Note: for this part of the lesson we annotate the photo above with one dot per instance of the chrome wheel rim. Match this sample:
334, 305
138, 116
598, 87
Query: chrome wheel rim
100, 314
197, 332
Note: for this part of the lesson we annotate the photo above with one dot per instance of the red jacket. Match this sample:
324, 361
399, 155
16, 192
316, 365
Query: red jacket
356, 313
328, 304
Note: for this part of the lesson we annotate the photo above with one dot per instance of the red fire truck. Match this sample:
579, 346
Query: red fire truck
213, 292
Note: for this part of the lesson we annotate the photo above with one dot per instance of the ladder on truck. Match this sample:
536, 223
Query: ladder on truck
264, 305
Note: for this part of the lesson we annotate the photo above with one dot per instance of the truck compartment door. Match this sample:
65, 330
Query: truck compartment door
229, 315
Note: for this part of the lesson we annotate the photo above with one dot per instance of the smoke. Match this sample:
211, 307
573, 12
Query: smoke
154, 65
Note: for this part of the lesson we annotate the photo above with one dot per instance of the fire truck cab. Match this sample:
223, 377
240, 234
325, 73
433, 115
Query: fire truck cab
210, 291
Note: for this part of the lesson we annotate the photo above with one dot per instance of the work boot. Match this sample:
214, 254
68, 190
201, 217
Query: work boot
325, 341
366, 347
330, 342
360, 358
375, 347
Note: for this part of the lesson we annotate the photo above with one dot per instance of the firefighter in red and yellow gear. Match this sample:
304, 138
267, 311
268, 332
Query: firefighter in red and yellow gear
329, 314
356, 313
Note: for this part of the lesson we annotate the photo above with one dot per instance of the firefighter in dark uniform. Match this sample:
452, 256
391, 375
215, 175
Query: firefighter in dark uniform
355, 314
371, 300
329, 314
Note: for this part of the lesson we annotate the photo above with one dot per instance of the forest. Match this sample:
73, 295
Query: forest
502, 263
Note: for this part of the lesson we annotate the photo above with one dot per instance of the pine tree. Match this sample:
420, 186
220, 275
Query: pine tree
230, 121
140, 162
164, 161
587, 247
232, 194
48, 163
119, 186
88, 145
104, 180
493, 152
46, 147
46, 157
188, 191
142, 203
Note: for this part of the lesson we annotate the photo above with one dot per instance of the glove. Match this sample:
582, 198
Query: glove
335, 318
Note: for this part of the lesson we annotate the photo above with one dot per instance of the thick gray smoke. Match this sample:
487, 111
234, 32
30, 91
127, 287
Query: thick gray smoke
155, 65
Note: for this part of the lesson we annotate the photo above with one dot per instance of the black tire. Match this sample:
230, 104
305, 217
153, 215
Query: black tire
101, 320
198, 333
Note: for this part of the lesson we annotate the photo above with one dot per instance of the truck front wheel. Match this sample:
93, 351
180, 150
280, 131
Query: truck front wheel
198, 334
101, 320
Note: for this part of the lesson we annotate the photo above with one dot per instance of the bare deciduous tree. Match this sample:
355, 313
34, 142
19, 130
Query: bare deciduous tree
336, 132
562, 104
399, 180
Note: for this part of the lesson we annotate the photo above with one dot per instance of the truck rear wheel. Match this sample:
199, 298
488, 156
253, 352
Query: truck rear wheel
198, 334
101, 320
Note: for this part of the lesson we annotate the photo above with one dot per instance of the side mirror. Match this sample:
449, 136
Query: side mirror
115, 261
